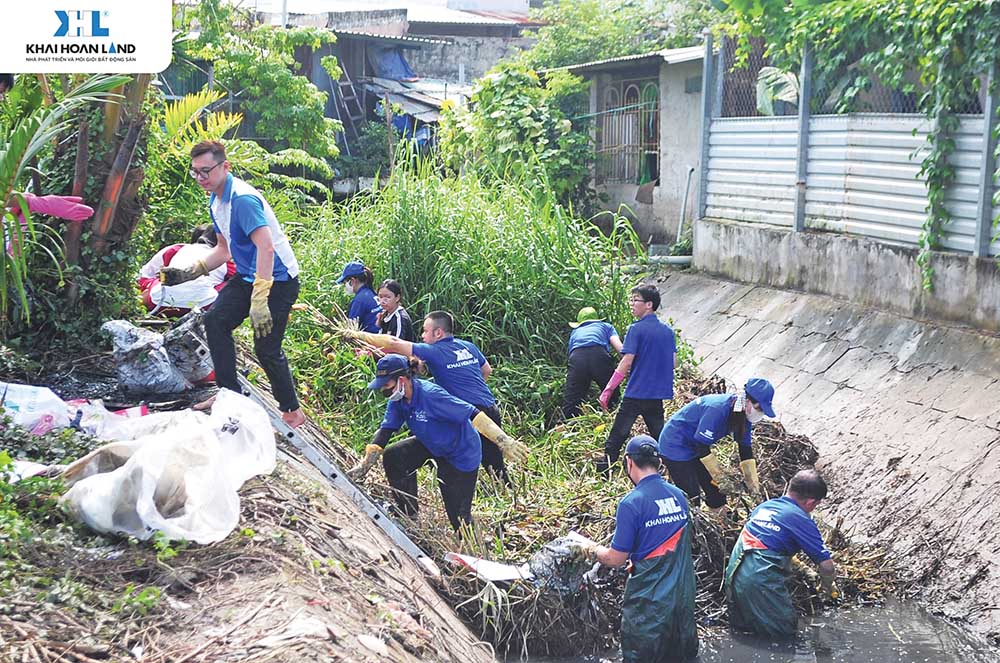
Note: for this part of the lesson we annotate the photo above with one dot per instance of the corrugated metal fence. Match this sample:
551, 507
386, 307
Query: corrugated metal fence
861, 174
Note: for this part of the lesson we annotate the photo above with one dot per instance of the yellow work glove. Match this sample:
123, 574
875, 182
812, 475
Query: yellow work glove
512, 450
177, 275
372, 453
378, 340
749, 469
803, 568
712, 465
260, 314
583, 551
830, 589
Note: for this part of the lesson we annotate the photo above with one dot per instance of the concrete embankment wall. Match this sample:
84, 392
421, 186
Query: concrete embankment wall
906, 416
862, 270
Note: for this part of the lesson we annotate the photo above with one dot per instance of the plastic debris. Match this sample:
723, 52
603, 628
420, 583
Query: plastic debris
142, 362
175, 472
35, 408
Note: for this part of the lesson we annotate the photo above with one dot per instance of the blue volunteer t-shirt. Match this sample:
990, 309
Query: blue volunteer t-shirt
455, 365
364, 308
648, 516
246, 214
441, 422
653, 343
703, 421
590, 333
782, 526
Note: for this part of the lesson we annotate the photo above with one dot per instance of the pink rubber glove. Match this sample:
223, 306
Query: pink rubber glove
70, 208
605, 397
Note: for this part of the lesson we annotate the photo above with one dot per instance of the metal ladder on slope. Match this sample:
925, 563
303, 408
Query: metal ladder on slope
336, 476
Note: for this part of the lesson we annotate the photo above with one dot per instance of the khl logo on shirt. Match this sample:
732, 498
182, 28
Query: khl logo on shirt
80, 23
463, 355
667, 506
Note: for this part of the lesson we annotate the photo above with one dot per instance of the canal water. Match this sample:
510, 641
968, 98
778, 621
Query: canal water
893, 633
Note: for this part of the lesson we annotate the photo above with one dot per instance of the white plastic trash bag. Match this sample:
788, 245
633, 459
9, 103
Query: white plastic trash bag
180, 476
34, 408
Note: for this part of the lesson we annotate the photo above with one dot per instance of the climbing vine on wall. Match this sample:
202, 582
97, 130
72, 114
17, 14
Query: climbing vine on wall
938, 49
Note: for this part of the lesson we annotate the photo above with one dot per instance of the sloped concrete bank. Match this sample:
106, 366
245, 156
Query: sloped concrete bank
905, 414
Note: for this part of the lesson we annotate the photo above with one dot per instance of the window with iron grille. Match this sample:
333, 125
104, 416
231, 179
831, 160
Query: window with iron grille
628, 133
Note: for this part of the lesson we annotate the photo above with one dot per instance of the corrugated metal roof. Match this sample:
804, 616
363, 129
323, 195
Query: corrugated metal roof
417, 11
670, 56
391, 38
422, 13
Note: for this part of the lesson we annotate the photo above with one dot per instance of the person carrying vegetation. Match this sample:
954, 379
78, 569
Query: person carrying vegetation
358, 281
445, 430
392, 318
687, 439
761, 559
458, 367
650, 354
590, 360
652, 533
265, 286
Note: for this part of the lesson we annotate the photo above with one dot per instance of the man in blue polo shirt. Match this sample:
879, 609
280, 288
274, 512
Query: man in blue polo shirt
265, 286
445, 429
652, 532
648, 357
755, 577
458, 366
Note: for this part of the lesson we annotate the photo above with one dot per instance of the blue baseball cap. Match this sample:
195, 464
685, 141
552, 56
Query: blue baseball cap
353, 268
642, 445
388, 367
761, 391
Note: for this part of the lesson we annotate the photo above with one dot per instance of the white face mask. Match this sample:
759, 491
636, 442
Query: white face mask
754, 415
348, 288
398, 393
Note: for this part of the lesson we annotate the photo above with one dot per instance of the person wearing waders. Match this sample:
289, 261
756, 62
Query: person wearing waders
761, 559
649, 355
264, 288
445, 430
459, 367
590, 360
652, 532
358, 281
687, 439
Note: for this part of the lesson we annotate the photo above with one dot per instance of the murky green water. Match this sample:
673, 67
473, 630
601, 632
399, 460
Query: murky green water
893, 633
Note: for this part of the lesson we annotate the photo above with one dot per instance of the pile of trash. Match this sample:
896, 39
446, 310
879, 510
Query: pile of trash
177, 473
151, 363
172, 472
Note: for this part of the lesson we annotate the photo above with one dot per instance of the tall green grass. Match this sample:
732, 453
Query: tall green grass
510, 263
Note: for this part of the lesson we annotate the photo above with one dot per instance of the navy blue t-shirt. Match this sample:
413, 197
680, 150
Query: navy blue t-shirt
784, 527
652, 374
703, 421
651, 514
590, 333
364, 309
455, 365
441, 422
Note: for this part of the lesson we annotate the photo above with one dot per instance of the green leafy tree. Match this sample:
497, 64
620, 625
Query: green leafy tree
576, 31
27, 135
257, 65
513, 126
